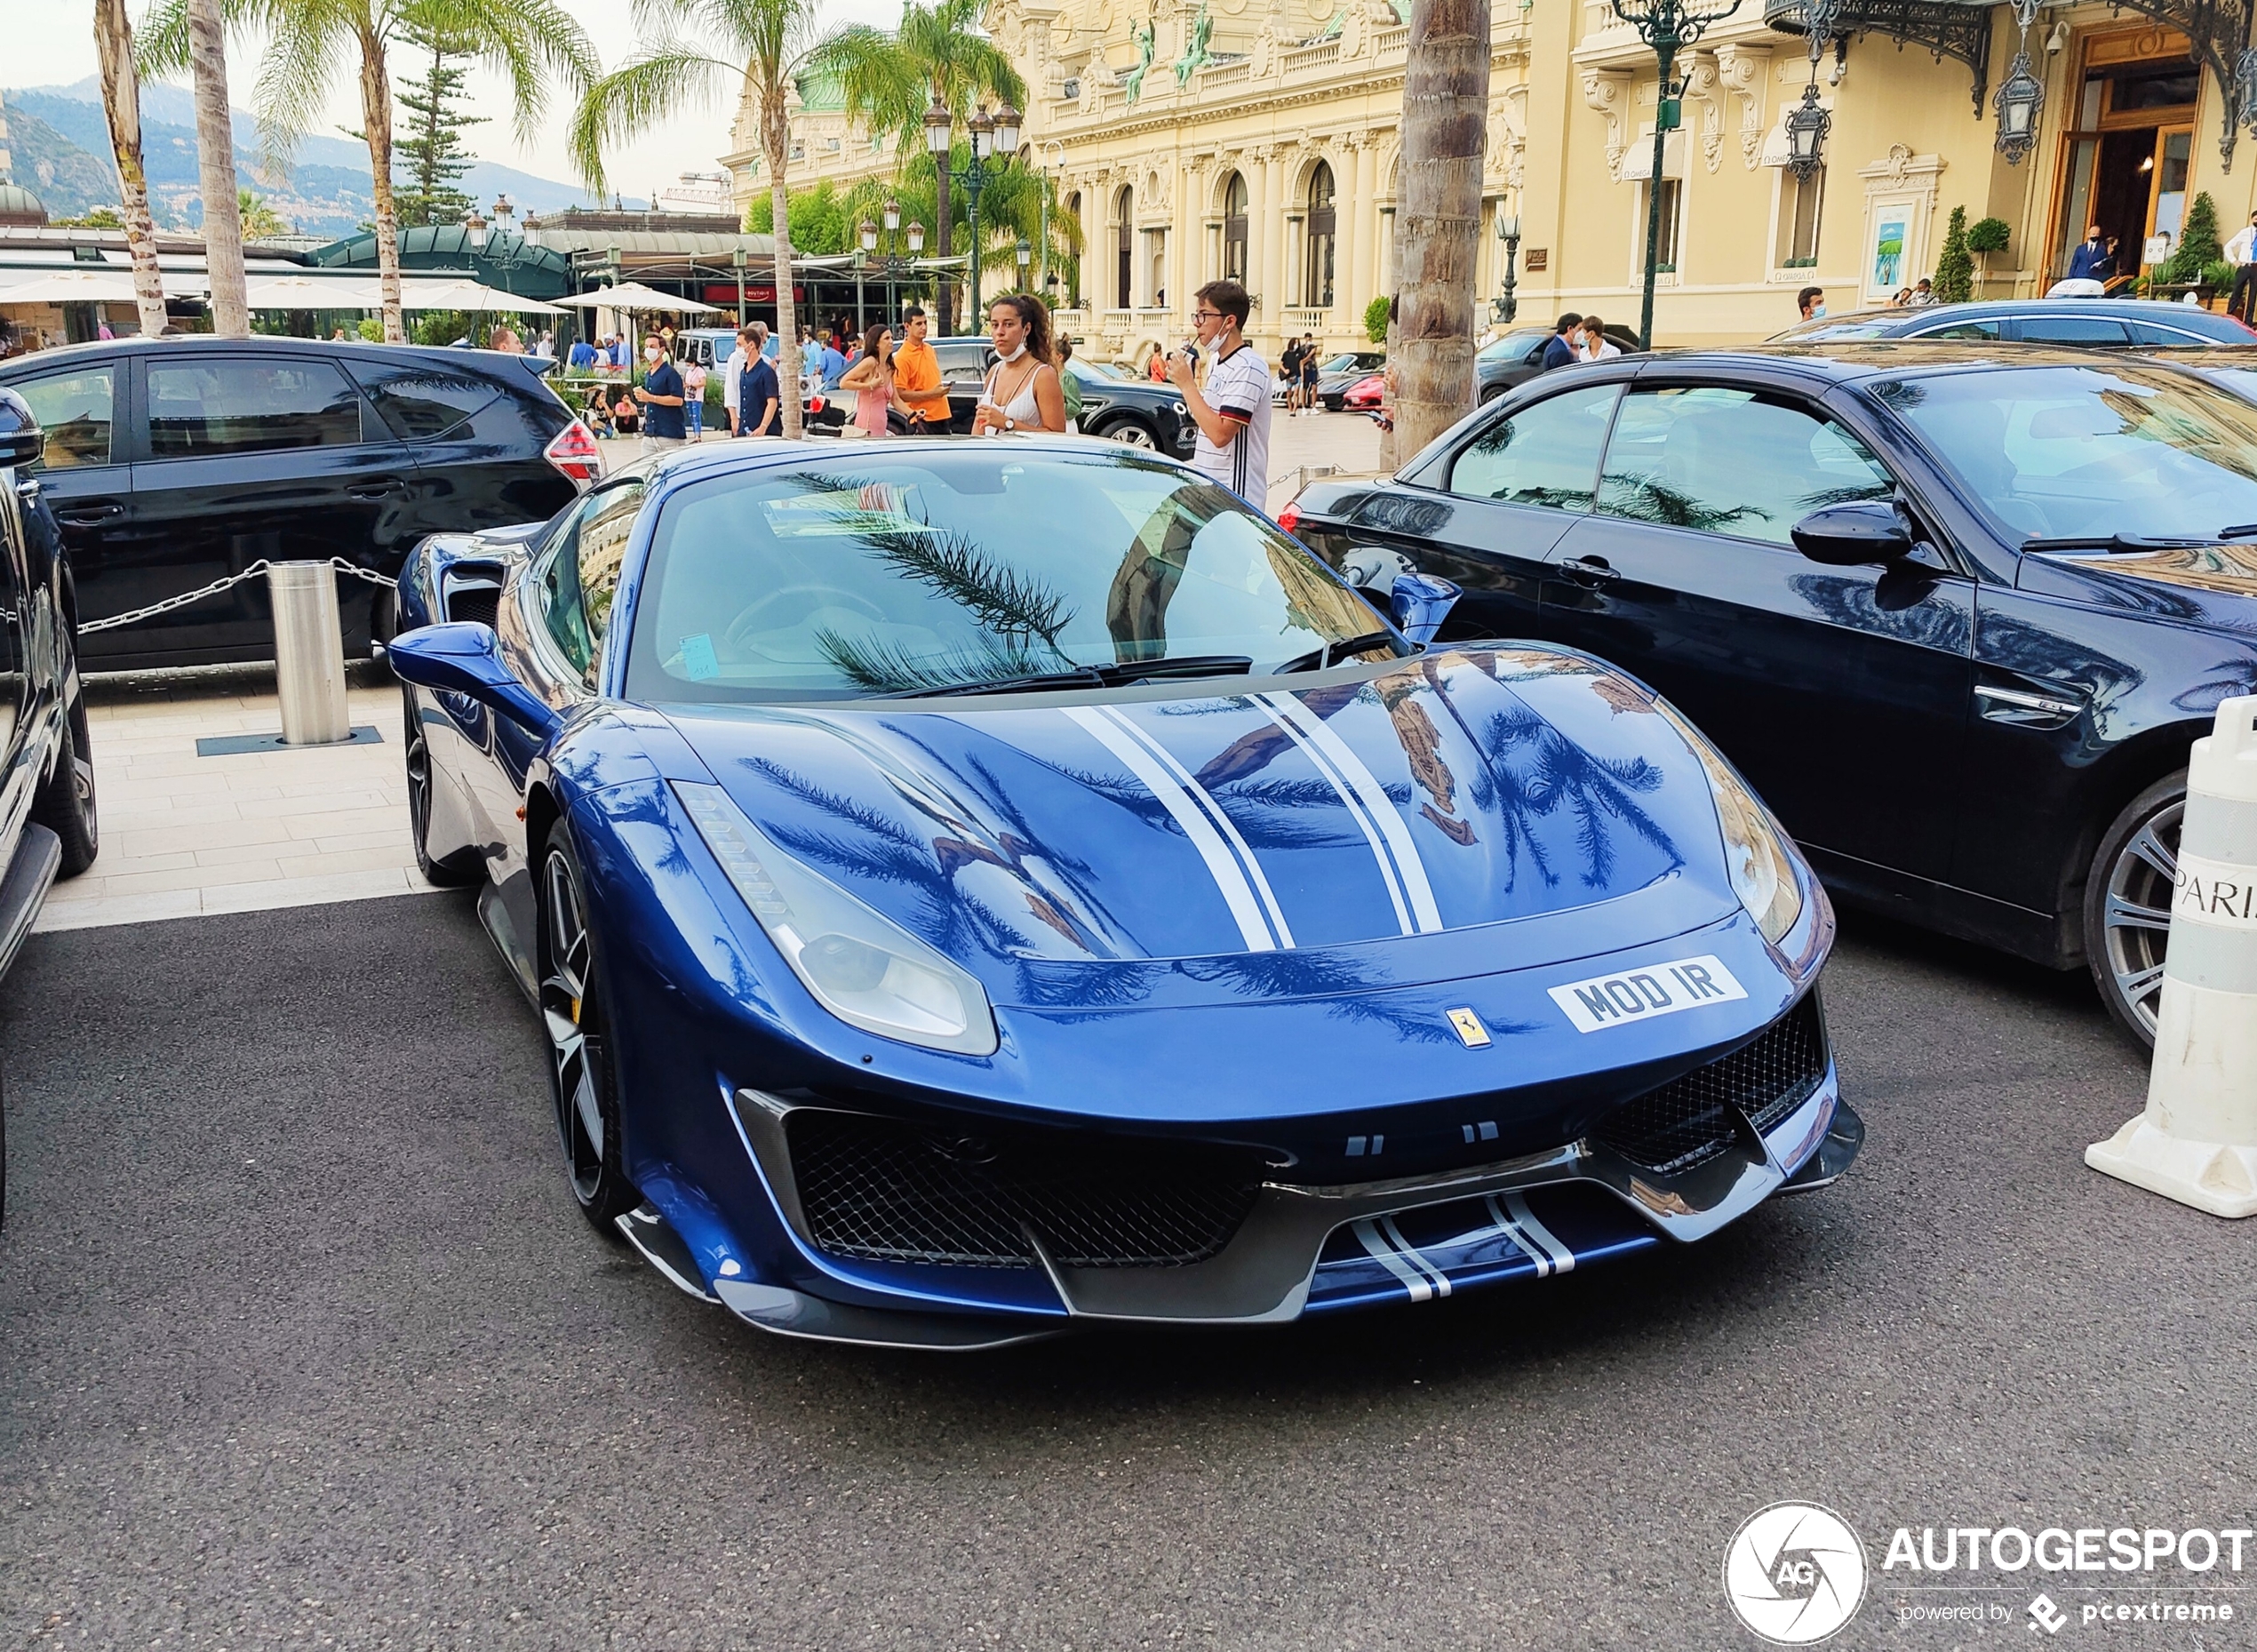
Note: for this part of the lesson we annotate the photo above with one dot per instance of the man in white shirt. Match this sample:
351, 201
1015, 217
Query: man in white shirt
1232, 413
2241, 252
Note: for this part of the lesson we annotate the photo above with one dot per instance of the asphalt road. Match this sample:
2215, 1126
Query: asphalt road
301, 1343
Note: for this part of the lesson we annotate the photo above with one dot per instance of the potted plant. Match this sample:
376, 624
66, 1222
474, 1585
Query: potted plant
1985, 236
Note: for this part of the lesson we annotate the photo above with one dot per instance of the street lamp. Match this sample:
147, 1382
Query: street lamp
1024, 253
1807, 125
1509, 231
737, 260
1668, 26
1044, 162
994, 139
866, 240
2021, 95
474, 227
940, 133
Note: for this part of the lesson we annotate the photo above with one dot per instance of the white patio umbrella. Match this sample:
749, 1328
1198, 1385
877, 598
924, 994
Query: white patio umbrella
310, 292
636, 298
461, 294
86, 286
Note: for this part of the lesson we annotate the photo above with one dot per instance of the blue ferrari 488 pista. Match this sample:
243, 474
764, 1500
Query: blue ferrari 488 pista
975, 888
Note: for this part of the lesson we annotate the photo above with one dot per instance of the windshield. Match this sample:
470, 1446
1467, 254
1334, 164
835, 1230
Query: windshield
1095, 373
2090, 452
838, 578
1513, 344
1870, 326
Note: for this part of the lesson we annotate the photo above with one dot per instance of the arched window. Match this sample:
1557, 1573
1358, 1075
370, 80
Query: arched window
1235, 203
1323, 225
1125, 247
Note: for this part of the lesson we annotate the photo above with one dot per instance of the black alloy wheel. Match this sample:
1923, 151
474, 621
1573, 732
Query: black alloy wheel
2127, 905
465, 866
67, 804
572, 1011
1130, 432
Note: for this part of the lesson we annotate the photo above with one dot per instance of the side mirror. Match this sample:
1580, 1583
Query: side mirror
1420, 602
464, 657
1853, 533
21, 441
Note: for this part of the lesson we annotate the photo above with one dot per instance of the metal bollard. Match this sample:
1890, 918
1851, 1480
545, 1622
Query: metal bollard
309, 654
2197, 1142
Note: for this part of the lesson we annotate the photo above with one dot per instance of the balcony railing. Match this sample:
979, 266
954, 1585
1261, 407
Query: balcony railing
1323, 54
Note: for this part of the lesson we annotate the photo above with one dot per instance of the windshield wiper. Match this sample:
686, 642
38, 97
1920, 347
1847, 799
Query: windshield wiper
1318, 659
2110, 542
1121, 674
2239, 530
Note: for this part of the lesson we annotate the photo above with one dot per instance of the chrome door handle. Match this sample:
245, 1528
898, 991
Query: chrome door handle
1589, 571
2022, 706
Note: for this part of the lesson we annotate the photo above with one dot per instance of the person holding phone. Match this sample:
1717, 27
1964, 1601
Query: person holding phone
1232, 413
1022, 392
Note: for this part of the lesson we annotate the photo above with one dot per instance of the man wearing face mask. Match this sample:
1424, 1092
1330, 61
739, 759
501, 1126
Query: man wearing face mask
662, 398
1812, 302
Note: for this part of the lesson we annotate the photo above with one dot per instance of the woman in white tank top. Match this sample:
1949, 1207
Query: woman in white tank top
1023, 392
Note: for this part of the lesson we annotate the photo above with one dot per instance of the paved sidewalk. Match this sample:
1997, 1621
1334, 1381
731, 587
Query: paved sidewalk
184, 835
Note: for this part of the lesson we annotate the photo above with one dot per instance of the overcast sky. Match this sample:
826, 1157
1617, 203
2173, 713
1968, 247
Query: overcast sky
57, 37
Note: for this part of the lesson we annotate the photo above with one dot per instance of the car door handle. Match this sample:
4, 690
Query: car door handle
1591, 571
87, 515
2003, 705
374, 490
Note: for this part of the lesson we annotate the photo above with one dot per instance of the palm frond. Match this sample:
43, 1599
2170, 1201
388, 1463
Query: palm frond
645, 92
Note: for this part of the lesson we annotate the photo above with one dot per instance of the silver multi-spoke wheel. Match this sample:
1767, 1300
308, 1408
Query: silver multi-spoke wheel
575, 1049
1130, 433
2136, 922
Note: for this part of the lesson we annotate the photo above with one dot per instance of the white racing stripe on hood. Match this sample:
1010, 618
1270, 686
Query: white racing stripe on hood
1153, 768
1339, 757
1350, 801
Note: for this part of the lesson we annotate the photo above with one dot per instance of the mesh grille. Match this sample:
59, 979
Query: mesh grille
899, 1192
481, 602
1690, 1119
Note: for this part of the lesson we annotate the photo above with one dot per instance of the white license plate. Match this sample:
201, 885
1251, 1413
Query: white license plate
1659, 989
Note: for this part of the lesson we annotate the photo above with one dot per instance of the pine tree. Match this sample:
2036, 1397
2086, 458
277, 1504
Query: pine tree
431, 157
2198, 243
1954, 281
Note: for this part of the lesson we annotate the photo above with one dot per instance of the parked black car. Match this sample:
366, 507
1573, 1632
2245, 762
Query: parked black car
175, 462
1133, 410
2092, 323
1517, 357
49, 827
1957, 612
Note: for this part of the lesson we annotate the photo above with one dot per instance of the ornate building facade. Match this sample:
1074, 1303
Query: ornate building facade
1261, 139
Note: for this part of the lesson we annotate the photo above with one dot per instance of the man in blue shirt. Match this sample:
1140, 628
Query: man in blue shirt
1557, 351
823, 356
581, 357
759, 402
662, 398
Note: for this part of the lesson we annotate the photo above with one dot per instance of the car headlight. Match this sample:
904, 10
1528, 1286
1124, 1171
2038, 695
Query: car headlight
862, 966
1755, 848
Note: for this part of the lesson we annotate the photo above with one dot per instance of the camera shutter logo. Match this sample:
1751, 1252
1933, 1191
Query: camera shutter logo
1795, 1574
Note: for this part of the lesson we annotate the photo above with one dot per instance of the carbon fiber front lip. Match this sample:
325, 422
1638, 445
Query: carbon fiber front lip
1262, 1276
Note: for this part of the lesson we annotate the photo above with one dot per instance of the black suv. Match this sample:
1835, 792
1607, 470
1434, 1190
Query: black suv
47, 818
172, 463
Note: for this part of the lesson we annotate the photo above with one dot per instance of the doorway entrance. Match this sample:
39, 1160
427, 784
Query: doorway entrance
2124, 163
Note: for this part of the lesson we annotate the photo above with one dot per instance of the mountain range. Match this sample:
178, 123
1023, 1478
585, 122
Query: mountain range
60, 144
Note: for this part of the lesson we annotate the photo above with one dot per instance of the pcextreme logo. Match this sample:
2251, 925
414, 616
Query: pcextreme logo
1794, 1573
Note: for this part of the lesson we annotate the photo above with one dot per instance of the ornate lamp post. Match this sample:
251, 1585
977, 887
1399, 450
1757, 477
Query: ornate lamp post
865, 244
1668, 26
1506, 306
736, 262
1808, 121
995, 139
1025, 254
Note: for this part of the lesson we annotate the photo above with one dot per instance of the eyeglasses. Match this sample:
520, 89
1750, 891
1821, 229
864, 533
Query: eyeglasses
1207, 314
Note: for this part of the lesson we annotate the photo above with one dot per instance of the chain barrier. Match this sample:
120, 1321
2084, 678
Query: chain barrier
135, 616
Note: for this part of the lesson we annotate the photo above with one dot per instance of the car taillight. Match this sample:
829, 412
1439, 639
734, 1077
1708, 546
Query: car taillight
573, 451
1289, 518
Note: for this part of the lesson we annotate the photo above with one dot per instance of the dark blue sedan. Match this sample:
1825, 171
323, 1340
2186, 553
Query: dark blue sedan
975, 888
1955, 612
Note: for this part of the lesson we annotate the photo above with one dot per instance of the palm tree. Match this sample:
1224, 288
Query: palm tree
939, 55
1445, 97
121, 103
768, 46
525, 41
202, 46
